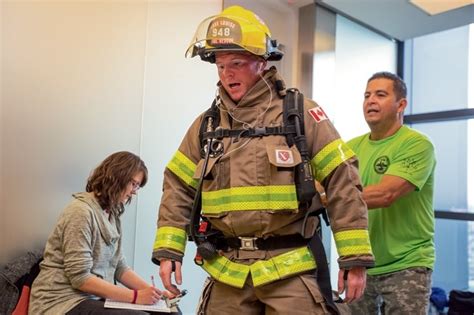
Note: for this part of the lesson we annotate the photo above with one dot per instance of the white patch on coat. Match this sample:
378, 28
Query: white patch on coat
284, 156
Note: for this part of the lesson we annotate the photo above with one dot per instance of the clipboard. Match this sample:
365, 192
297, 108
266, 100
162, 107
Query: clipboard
159, 306
163, 305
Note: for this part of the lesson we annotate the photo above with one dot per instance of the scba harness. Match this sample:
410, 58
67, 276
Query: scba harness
210, 136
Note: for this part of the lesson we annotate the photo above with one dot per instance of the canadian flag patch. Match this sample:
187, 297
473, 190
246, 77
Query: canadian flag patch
284, 156
318, 114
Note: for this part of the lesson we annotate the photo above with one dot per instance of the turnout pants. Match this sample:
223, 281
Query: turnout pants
295, 295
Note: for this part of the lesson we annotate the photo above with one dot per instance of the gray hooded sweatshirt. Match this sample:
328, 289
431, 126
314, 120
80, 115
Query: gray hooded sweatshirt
84, 243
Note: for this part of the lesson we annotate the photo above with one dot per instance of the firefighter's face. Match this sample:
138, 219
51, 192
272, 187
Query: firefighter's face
238, 72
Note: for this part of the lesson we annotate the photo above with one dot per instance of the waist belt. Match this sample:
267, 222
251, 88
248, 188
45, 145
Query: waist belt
270, 243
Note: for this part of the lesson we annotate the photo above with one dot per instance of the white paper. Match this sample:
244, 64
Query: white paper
159, 306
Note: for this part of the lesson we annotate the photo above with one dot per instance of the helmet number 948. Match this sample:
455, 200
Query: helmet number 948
221, 31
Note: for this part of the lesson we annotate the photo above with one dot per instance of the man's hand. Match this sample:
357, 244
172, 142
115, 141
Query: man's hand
166, 269
354, 285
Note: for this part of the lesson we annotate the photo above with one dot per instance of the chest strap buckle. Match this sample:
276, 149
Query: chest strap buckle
248, 243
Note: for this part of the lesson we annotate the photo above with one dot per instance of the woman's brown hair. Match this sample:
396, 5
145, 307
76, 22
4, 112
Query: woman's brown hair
111, 177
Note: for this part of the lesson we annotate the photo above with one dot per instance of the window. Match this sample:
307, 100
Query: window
441, 106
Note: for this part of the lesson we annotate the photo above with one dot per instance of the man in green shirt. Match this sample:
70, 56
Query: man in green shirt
397, 169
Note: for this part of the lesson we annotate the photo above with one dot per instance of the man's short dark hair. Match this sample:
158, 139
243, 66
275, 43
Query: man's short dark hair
399, 86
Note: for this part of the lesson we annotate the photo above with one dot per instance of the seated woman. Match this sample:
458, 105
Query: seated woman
83, 256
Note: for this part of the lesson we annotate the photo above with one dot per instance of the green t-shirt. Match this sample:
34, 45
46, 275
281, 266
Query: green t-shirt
402, 235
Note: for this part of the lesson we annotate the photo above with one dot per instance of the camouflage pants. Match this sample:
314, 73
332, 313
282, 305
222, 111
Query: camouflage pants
404, 292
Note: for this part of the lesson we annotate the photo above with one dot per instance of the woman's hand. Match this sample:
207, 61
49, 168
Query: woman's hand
149, 295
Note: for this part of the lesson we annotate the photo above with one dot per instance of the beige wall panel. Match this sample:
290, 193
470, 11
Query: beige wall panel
72, 82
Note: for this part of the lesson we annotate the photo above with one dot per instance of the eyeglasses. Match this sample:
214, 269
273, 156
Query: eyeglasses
135, 184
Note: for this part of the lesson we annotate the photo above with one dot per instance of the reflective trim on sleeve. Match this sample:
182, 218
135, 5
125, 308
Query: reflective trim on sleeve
184, 168
330, 157
282, 197
263, 271
353, 242
170, 237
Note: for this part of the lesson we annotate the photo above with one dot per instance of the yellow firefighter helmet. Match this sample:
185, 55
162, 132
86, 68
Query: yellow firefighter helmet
234, 29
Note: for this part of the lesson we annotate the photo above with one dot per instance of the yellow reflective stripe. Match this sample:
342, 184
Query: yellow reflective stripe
353, 242
170, 237
263, 271
282, 266
184, 168
226, 271
330, 157
281, 197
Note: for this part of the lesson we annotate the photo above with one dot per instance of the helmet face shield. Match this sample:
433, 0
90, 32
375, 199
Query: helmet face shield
235, 29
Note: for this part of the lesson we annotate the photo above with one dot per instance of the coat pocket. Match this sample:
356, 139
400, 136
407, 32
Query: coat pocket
282, 161
283, 156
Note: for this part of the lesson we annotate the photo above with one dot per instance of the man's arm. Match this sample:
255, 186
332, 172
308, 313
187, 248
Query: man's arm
389, 190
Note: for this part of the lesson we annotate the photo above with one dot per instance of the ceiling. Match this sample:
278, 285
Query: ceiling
401, 19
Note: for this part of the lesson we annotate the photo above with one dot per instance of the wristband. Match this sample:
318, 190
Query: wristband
135, 295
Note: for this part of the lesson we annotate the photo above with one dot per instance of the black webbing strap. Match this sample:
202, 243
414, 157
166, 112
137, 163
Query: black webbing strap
270, 243
248, 133
322, 271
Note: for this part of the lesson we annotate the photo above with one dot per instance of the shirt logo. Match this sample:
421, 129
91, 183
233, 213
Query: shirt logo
381, 164
318, 114
410, 165
284, 156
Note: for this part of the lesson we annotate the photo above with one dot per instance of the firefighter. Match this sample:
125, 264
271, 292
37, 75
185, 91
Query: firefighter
245, 186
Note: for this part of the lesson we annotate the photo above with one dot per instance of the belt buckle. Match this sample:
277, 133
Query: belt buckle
248, 243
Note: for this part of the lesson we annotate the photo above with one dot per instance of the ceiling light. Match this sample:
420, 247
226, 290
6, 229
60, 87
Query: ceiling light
433, 7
